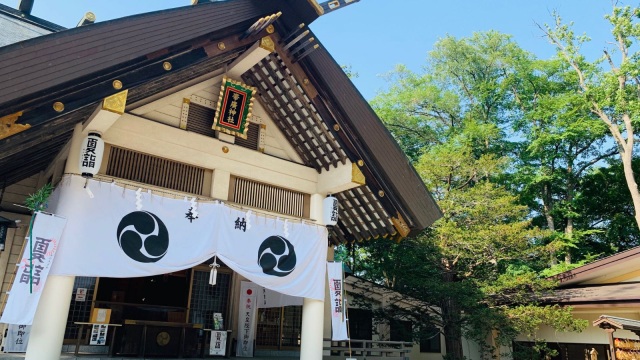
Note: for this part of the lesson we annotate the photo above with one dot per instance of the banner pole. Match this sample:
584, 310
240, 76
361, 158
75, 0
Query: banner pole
31, 252
346, 313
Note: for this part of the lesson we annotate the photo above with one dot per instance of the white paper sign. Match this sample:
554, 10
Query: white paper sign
81, 294
17, 338
28, 283
99, 334
218, 344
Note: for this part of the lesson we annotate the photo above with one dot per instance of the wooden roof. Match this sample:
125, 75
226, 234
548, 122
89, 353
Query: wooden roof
77, 67
617, 323
597, 294
601, 270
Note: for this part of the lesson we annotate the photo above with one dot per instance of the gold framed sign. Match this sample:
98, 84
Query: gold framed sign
234, 108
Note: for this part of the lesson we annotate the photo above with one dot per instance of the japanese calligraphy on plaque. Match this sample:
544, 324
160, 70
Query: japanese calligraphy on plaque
234, 108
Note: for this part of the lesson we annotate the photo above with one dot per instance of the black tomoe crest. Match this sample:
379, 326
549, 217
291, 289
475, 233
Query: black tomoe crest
276, 256
143, 236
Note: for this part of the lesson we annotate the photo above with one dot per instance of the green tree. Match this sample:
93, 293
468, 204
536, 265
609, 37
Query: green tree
561, 142
609, 86
607, 210
453, 123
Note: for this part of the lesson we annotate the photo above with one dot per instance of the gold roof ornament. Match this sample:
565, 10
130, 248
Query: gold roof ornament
116, 103
268, 44
401, 225
9, 127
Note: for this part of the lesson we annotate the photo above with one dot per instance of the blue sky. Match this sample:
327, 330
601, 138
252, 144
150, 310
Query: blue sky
373, 36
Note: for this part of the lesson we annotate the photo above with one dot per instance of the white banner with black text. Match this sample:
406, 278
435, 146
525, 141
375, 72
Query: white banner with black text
17, 338
114, 231
32, 270
246, 320
336, 294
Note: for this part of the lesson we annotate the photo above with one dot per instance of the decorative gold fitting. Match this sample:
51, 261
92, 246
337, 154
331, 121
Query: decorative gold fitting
116, 103
267, 44
305, 81
225, 149
270, 29
186, 101
58, 106
381, 193
221, 46
357, 176
117, 84
401, 226
9, 127
361, 163
167, 65
336, 127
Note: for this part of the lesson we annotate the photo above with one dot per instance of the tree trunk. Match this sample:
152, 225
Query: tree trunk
626, 157
451, 319
568, 231
546, 208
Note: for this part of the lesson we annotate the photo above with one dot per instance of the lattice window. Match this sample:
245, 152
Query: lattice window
80, 311
152, 170
268, 197
200, 121
279, 328
207, 300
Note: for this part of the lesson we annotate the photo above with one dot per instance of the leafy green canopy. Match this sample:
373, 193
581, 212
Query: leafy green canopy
489, 128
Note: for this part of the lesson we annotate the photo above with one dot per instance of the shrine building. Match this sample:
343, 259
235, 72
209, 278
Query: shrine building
224, 107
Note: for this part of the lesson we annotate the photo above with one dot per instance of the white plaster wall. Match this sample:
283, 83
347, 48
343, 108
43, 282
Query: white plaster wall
14, 30
592, 334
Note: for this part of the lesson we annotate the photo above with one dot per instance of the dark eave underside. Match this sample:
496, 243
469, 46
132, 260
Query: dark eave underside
374, 143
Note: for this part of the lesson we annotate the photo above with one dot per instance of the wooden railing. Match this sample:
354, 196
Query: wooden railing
368, 350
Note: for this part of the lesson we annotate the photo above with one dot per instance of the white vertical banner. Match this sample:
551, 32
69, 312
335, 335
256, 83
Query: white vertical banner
24, 296
246, 320
17, 338
336, 294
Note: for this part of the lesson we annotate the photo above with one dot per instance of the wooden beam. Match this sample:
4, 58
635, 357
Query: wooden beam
105, 115
248, 60
284, 125
135, 133
338, 179
313, 115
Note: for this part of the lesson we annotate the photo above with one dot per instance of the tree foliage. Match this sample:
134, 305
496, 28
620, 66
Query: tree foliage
521, 155
459, 124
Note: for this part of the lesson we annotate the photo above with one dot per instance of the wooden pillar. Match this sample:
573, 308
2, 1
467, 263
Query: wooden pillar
612, 348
